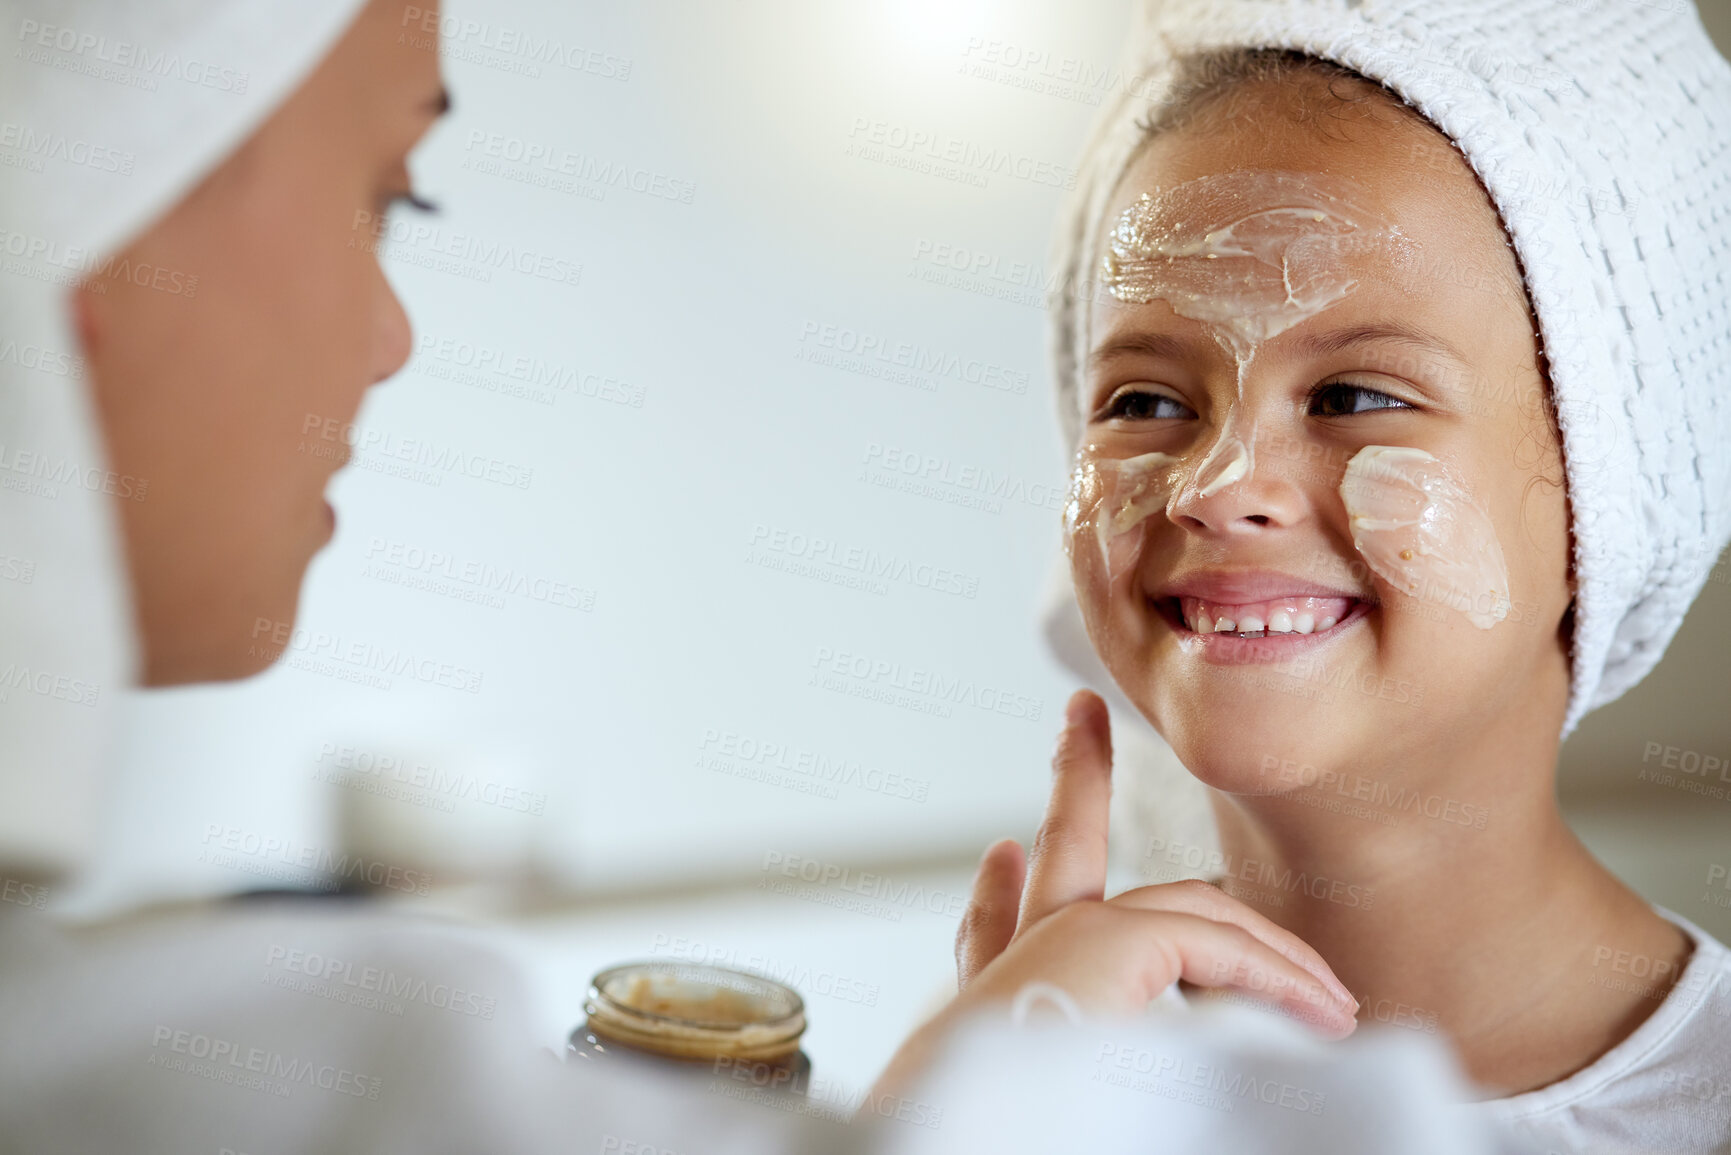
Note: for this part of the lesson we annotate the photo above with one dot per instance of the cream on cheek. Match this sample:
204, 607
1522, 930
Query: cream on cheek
1419, 529
1110, 498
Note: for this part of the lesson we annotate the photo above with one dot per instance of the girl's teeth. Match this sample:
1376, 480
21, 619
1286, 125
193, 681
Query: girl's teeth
1273, 618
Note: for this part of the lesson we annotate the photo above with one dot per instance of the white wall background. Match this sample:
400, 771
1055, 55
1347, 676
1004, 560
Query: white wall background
716, 315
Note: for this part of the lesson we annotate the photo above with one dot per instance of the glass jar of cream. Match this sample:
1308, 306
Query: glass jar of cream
702, 1019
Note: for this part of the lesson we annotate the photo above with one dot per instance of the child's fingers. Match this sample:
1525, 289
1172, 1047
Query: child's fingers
1206, 901
1068, 860
1113, 959
989, 922
1220, 954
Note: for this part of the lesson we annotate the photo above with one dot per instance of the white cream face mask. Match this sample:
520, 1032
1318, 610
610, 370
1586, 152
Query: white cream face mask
1250, 255
1420, 531
1115, 496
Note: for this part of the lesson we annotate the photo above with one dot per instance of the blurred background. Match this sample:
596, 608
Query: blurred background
686, 593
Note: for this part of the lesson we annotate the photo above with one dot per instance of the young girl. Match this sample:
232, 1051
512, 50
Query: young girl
1394, 408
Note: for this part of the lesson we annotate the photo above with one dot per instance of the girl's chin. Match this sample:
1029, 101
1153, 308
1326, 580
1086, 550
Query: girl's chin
1242, 764
1232, 704
1243, 742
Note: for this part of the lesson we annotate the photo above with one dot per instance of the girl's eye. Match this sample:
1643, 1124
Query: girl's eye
1343, 399
1140, 405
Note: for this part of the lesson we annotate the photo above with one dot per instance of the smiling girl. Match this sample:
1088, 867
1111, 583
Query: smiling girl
1388, 468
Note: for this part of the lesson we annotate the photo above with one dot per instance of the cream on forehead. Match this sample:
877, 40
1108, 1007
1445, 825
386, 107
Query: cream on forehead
1251, 253
1420, 530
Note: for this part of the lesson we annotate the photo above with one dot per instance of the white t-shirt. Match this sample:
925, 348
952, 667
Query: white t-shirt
1665, 1088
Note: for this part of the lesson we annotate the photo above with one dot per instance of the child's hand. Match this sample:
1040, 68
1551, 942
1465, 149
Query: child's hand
1114, 956
1045, 921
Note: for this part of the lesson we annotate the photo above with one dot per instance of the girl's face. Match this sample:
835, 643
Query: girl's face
1275, 299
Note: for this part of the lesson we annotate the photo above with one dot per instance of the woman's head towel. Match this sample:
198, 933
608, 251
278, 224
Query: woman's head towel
113, 111
1602, 130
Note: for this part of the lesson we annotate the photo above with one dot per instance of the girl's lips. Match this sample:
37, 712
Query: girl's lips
1234, 650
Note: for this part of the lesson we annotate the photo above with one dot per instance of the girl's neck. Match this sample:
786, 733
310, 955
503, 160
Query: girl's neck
1469, 912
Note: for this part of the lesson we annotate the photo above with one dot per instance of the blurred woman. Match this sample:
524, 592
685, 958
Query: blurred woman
189, 279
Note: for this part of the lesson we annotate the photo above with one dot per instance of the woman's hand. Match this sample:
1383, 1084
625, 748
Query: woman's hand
1046, 920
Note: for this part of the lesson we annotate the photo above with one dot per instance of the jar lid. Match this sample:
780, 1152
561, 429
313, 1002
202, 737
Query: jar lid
691, 1011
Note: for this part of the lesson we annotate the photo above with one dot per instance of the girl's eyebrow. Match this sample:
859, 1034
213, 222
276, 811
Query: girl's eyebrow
1168, 347
1390, 332
1140, 345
